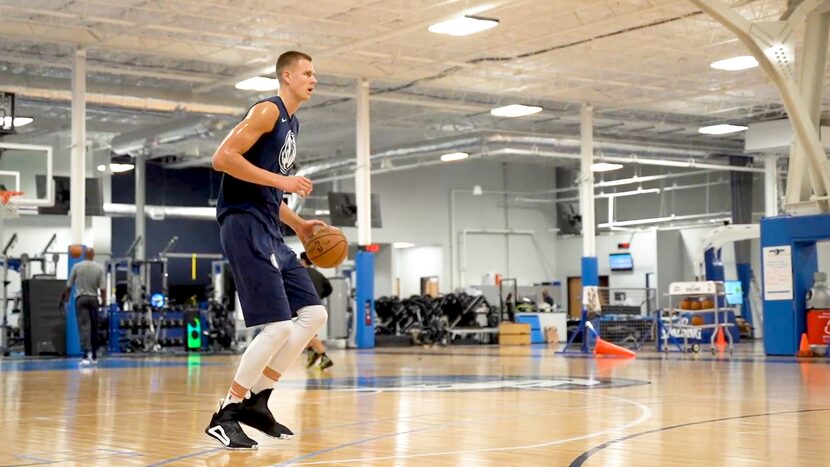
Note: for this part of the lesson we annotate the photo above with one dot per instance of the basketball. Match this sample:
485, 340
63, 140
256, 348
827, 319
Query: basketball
326, 247
76, 251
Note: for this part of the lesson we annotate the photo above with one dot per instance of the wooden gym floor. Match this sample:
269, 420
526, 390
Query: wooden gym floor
470, 406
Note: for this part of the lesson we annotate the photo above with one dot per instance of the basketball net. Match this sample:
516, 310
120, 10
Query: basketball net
8, 210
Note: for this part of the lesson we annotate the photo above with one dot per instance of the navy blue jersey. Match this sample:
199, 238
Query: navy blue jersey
274, 151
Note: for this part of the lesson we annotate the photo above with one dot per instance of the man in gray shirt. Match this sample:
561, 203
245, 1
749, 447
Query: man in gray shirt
89, 280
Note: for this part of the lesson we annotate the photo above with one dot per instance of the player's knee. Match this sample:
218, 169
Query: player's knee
315, 316
277, 332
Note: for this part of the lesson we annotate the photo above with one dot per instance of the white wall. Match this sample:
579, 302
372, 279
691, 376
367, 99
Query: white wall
415, 206
413, 263
569, 254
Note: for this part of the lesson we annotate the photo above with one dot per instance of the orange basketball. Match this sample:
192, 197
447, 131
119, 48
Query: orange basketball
695, 305
326, 247
707, 304
697, 320
76, 251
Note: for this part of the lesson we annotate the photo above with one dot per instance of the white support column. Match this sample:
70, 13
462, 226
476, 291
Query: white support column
363, 185
140, 192
771, 186
586, 183
813, 63
77, 172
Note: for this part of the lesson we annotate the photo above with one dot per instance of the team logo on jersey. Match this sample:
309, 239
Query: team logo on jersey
288, 153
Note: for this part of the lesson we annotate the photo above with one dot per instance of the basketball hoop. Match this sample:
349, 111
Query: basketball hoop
8, 210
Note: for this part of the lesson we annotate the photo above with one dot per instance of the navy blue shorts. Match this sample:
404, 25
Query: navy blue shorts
271, 282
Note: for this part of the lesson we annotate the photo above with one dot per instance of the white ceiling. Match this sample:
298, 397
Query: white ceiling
644, 64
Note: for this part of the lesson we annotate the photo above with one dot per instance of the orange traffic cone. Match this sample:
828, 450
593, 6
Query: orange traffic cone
720, 340
804, 348
604, 347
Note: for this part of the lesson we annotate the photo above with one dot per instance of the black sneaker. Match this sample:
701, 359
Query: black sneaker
255, 413
224, 426
312, 359
325, 362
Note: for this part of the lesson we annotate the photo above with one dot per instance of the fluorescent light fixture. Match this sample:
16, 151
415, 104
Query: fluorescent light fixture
18, 121
321, 212
454, 156
258, 83
722, 129
116, 167
638, 191
515, 110
605, 167
464, 25
735, 63
403, 245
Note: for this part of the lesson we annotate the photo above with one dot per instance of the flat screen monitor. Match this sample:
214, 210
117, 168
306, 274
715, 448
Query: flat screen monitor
621, 262
343, 210
734, 292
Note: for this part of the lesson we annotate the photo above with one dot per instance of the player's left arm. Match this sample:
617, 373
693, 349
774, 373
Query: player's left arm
299, 225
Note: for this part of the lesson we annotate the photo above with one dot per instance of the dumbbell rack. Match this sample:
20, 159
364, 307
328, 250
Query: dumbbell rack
130, 331
672, 322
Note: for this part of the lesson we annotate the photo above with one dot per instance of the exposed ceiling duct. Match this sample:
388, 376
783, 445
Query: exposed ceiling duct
519, 146
143, 139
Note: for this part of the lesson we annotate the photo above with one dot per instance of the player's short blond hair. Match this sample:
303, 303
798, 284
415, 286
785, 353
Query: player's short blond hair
289, 58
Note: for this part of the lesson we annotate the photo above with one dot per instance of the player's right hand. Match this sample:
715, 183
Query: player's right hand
298, 185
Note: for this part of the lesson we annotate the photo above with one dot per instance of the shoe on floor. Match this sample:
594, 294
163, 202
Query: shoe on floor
224, 427
255, 413
325, 362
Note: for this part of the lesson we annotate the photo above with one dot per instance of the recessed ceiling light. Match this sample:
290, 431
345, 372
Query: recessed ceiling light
605, 167
403, 245
464, 25
454, 156
735, 63
722, 129
515, 110
258, 83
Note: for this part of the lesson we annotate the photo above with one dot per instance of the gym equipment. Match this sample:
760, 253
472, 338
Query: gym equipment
140, 322
44, 323
11, 336
438, 320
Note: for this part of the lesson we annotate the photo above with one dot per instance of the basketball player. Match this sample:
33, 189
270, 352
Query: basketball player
323, 288
256, 158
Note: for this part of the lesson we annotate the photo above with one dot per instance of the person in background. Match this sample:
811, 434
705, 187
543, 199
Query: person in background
546, 297
323, 287
89, 280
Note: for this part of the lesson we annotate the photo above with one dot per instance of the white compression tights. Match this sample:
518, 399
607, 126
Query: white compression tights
258, 355
308, 323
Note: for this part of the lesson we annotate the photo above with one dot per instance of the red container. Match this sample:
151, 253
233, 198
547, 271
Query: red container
818, 327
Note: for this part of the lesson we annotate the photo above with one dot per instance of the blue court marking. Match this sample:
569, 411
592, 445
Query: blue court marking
109, 364
353, 443
186, 456
461, 382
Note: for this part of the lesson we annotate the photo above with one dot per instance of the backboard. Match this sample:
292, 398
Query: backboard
20, 164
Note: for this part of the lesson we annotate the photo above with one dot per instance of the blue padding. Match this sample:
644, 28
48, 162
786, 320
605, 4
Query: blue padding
364, 300
785, 320
536, 335
590, 271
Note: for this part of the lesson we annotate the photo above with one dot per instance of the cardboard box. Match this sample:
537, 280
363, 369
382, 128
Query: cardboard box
514, 334
551, 335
